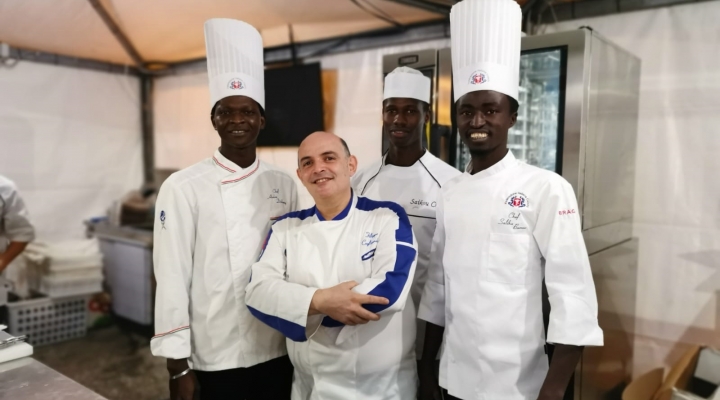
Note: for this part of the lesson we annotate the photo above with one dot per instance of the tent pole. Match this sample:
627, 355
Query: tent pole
148, 137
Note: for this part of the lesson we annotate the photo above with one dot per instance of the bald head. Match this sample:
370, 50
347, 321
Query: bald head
325, 164
322, 137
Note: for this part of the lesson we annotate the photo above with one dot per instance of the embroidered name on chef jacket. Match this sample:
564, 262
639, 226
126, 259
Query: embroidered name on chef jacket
417, 203
369, 241
275, 195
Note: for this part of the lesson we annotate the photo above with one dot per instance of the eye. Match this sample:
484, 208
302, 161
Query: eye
329, 158
250, 112
411, 111
465, 113
306, 163
491, 112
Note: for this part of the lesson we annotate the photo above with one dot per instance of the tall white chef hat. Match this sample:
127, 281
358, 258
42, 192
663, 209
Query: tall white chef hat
234, 60
485, 38
408, 83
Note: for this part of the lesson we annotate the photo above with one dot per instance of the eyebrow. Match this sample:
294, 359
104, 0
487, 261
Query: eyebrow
327, 153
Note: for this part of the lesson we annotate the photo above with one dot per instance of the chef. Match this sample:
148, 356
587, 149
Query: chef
211, 219
335, 279
16, 231
502, 227
408, 174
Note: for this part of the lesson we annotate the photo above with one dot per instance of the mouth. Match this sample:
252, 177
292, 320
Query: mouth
321, 180
398, 133
478, 136
238, 132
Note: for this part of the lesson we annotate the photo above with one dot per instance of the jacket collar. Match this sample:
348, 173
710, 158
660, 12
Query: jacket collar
507, 162
426, 158
233, 173
344, 213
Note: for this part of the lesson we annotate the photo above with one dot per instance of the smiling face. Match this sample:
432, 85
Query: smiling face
238, 120
404, 121
484, 118
325, 166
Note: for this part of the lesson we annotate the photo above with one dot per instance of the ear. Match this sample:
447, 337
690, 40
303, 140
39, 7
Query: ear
352, 164
513, 119
212, 121
428, 113
262, 122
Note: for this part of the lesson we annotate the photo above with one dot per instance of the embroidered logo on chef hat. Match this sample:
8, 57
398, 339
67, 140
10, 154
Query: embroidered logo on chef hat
162, 219
517, 200
236, 84
478, 78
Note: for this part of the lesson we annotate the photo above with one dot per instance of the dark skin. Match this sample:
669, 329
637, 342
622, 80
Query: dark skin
238, 120
404, 122
484, 118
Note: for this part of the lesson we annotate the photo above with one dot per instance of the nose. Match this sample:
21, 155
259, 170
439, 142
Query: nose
237, 117
319, 167
478, 120
399, 119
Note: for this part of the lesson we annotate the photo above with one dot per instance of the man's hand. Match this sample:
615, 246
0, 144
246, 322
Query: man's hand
182, 388
345, 306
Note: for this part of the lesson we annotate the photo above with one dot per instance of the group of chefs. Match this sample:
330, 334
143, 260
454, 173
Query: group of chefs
397, 265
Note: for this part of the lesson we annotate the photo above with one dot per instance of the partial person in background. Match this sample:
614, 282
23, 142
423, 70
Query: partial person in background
335, 279
408, 174
16, 231
502, 228
211, 219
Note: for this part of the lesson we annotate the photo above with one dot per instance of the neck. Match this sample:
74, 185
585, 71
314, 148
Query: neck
483, 161
404, 157
330, 207
243, 157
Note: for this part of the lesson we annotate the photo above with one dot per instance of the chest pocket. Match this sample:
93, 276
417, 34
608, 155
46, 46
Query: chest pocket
508, 256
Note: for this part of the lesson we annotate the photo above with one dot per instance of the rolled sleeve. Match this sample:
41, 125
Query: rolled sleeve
174, 241
571, 291
432, 303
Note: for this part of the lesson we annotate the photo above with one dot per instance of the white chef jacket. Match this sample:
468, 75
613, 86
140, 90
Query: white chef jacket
370, 242
211, 219
499, 233
15, 223
416, 188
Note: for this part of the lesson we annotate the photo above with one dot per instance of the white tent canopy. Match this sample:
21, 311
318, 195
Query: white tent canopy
169, 31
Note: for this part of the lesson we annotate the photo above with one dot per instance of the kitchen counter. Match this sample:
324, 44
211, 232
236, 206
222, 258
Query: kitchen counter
28, 379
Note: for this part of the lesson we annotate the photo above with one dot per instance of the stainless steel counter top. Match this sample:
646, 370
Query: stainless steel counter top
130, 235
28, 379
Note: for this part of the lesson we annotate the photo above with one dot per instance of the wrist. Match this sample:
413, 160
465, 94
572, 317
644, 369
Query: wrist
175, 367
316, 303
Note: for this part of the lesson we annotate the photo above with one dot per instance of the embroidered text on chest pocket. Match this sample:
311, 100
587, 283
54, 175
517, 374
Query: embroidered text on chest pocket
508, 258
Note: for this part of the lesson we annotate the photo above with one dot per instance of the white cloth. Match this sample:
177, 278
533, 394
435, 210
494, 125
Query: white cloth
371, 243
234, 60
15, 223
408, 83
499, 233
211, 219
485, 41
416, 189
